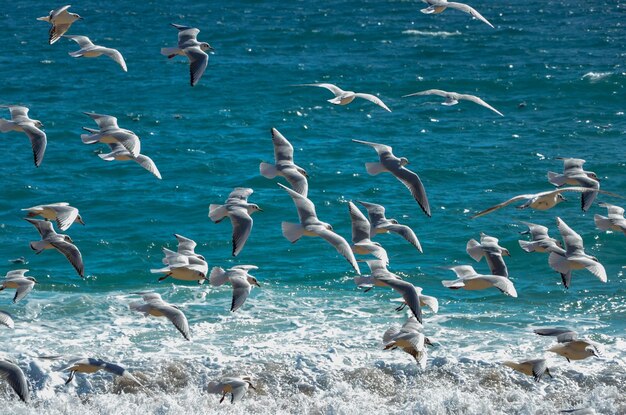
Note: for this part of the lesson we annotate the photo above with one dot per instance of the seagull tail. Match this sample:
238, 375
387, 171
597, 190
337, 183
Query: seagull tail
527, 246
268, 171
160, 271
556, 178
474, 249
602, 222
292, 231
217, 212
169, 52
217, 277
44, 19
453, 284
5, 126
106, 157
374, 168
336, 101
88, 139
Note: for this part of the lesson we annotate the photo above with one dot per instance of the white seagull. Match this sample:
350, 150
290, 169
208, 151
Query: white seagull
62, 213
32, 128
20, 283
615, 220
14, 376
61, 20
569, 346
285, 167
6, 319
574, 175
361, 242
310, 225
239, 278
345, 97
62, 243
409, 339
469, 279
535, 368
237, 387
452, 98
541, 241
89, 50
238, 210
182, 267
394, 165
91, 365
155, 306
488, 247
119, 153
380, 224
111, 133
189, 46
438, 6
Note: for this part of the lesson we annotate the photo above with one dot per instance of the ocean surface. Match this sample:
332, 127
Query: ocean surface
309, 338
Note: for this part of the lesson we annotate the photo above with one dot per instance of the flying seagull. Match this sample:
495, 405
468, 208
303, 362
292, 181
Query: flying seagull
62, 243
345, 97
62, 213
89, 50
438, 6
615, 220
237, 387
239, 278
119, 153
535, 368
285, 167
154, 305
91, 365
109, 133
452, 98
380, 224
61, 20
569, 345
22, 285
32, 128
195, 51
14, 376
488, 247
574, 175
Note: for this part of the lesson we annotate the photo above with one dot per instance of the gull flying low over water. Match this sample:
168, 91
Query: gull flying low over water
469, 279
452, 98
380, 224
14, 376
20, 283
111, 133
574, 175
615, 220
541, 241
61, 20
310, 225
6, 319
155, 306
488, 247
361, 242
285, 167
32, 128
62, 213
62, 243
345, 97
182, 267
119, 153
573, 256
394, 165
189, 46
237, 387
535, 368
91, 365
89, 50
238, 210
409, 339
239, 278
438, 6
569, 346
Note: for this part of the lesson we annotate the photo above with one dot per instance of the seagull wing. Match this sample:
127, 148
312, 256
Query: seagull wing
56, 31
496, 264
372, 98
340, 244
503, 204
242, 225
185, 244
43, 227
479, 101
360, 225
72, 254
105, 122
467, 9
562, 334
198, 61
297, 180
407, 233
66, 215
24, 287
283, 150
240, 193
573, 241
186, 35
176, 316
306, 208
408, 292
380, 148
375, 212
38, 141
241, 290
6, 319
332, 88
15, 378
116, 56
83, 41
147, 163
429, 92
412, 181
464, 271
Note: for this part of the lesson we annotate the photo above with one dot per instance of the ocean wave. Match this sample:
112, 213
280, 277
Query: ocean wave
597, 76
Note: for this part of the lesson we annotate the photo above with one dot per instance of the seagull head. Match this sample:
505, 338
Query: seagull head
76, 16
254, 208
68, 239
38, 123
592, 175
253, 281
404, 161
248, 380
328, 226
79, 219
32, 279
506, 252
428, 342
206, 46
302, 172
560, 198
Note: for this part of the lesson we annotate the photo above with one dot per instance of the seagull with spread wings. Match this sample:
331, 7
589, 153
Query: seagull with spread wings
62, 243
20, 122
195, 51
345, 97
452, 98
285, 167
89, 50
438, 6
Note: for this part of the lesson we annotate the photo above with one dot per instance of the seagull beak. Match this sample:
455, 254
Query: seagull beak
258, 285
251, 386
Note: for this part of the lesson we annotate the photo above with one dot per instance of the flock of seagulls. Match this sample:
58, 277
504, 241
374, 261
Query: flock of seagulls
187, 265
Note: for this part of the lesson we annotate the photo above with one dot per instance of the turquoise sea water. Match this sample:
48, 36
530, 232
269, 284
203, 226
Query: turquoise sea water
309, 338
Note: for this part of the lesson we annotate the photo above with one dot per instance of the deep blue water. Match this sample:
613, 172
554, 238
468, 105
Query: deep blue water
309, 337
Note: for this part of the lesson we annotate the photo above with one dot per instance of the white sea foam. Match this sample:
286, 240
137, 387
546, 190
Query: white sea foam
596, 76
431, 34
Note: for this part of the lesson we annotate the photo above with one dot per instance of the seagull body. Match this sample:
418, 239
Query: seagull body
469, 279
61, 20
615, 220
345, 97
119, 153
409, 339
237, 387
111, 133
569, 346
438, 6
573, 257
239, 278
535, 368
285, 167
182, 267
62, 213
22, 285
380, 224
20, 122
574, 175
452, 98
89, 50
14, 376
6, 319
310, 225
394, 165
238, 210
62, 243
90, 365
155, 306
488, 247
541, 241
361, 242
189, 46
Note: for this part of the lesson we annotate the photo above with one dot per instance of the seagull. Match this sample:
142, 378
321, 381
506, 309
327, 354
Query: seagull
573, 256
488, 247
615, 220
425, 301
89, 50
345, 97
239, 278
14, 376
119, 153
539, 201
182, 267
438, 6
469, 279
22, 284
62, 213
361, 242
409, 339
61, 20
186, 247
394, 165
452, 98
380, 224
310, 225
574, 175
541, 241
535, 368
155, 306
189, 46
110, 133
285, 167
569, 346
6, 319
32, 128
62, 243
238, 210
91, 365
237, 387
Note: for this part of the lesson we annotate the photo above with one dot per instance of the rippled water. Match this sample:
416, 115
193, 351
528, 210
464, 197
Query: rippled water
309, 338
